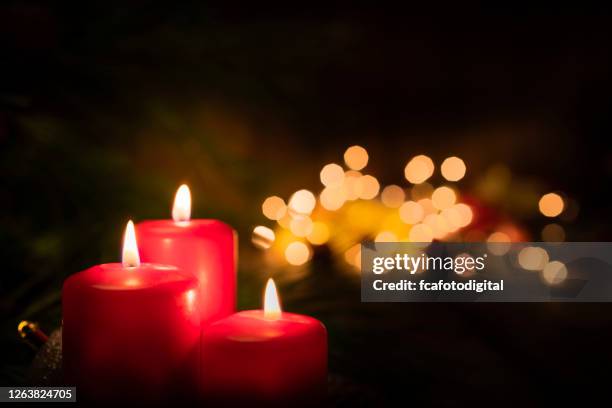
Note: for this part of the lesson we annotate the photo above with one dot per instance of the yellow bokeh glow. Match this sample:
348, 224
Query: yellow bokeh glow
356, 157
554, 273
263, 237
301, 225
274, 208
533, 258
465, 212
551, 204
421, 233
453, 169
285, 221
369, 187
393, 196
302, 202
353, 184
333, 198
411, 212
443, 197
453, 218
498, 243
297, 253
319, 234
353, 256
427, 205
385, 236
332, 175
438, 225
419, 169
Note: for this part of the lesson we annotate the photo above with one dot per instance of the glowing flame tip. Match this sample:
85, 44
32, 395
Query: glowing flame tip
181, 211
272, 309
131, 257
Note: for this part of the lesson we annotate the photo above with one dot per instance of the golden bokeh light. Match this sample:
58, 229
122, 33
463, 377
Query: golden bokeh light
419, 169
369, 187
466, 214
443, 197
319, 234
553, 233
274, 208
332, 198
353, 184
353, 256
302, 202
438, 224
453, 218
427, 205
453, 169
551, 205
498, 243
349, 209
554, 273
262, 237
421, 233
386, 242
386, 236
411, 212
332, 175
533, 258
301, 225
285, 221
356, 157
297, 253
393, 196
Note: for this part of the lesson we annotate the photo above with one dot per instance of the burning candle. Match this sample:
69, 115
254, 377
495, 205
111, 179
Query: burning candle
204, 248
131, 330
264, 356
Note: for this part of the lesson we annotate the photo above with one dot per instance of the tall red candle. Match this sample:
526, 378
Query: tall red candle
264, 357
131, 330
204, 248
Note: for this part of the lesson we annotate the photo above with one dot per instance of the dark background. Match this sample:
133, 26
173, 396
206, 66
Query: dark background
105, 109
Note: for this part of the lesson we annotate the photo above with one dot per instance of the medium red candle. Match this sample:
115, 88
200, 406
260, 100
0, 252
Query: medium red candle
131, 330
266, 357
204, 248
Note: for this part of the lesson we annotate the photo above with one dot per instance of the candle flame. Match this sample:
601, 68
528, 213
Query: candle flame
272, 309
131, 258
181, 211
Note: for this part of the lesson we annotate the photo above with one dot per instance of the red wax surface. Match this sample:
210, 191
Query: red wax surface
204, 248
131, 333
248, 359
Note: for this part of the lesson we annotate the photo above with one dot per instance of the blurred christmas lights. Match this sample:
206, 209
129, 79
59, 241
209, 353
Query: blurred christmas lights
353, 207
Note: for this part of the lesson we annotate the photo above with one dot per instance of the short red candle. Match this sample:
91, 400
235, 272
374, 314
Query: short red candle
131, 332
253, 358
204, 248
